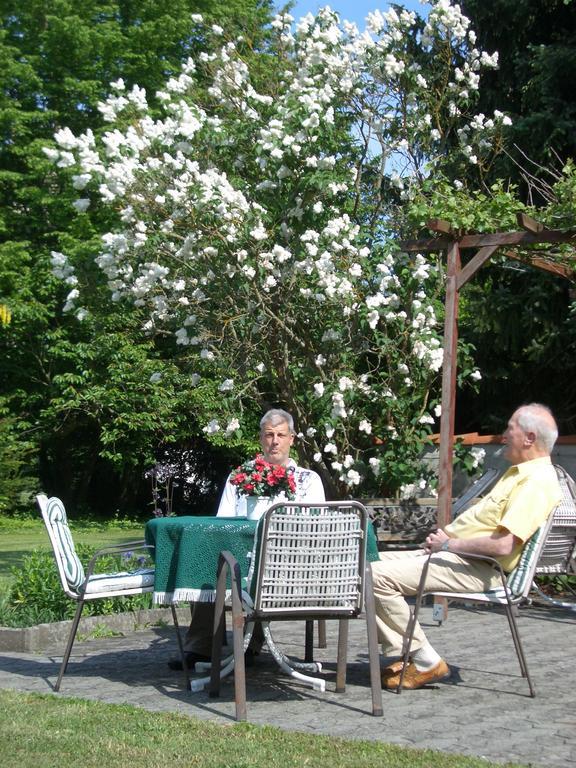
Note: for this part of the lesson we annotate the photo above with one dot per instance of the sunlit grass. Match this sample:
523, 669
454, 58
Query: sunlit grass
50, 732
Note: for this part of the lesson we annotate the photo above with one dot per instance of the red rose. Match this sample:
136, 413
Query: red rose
238, 478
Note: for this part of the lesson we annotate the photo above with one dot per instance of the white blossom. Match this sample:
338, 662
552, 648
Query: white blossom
374, 465
232, 426
353, 477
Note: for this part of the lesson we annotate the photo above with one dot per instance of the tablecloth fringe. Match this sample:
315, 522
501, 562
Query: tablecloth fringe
185, 596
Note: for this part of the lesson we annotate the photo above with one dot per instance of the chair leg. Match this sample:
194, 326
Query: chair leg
309, 641
373, 649
322, 633
519, 650
412, 624
225, 564
181, 647
342, 657
70, 643
217, 633
239, 666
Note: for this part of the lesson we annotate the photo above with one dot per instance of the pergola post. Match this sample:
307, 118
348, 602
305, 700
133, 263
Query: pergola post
449, 368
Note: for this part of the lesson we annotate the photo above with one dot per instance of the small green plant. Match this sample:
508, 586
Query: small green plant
100, 631
557, 584
36, 595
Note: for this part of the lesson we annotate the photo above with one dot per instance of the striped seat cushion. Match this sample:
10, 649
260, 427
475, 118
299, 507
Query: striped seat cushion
115, 582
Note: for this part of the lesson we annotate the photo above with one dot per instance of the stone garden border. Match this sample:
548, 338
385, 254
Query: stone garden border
42, 636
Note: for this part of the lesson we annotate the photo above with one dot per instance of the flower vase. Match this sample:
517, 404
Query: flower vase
256, 506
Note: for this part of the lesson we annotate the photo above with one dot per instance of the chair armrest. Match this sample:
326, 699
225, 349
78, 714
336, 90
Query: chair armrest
115, 549
495, 563
421, 586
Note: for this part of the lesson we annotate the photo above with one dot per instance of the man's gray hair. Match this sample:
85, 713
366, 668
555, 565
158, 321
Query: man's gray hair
276, 416
539, 419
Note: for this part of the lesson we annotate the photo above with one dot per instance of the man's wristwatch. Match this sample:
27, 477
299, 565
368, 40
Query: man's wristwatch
444, 547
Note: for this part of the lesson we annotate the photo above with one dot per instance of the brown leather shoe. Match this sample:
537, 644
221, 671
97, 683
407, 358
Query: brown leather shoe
391, 670
414, 678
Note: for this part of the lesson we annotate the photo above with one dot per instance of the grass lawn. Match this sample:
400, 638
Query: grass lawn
18, 538
51, 732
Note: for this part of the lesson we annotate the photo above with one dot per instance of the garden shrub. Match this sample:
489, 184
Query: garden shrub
36, 596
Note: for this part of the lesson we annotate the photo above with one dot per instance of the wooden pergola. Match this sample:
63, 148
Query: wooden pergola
515, 245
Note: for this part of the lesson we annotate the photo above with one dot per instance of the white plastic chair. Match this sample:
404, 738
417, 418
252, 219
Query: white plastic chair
86, 586
310, 564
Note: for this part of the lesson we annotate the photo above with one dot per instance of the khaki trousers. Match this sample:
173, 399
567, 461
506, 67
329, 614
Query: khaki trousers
198, 637
397, 575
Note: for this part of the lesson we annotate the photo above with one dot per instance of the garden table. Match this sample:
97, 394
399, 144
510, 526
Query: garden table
187, 549
186, 553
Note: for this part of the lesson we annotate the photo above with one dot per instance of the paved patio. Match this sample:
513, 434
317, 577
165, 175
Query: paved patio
484, 710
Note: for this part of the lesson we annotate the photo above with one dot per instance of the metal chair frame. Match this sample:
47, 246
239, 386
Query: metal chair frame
310, 563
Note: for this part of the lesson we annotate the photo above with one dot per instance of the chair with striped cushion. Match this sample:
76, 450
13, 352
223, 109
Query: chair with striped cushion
84, 586
515, 588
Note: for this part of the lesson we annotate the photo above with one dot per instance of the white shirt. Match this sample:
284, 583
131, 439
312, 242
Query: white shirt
308, 488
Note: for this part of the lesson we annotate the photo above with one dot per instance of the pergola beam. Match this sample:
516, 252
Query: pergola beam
528, 223
488, 239
547, 266
468, 271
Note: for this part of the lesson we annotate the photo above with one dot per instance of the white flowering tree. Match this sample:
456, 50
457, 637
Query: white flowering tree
259, 221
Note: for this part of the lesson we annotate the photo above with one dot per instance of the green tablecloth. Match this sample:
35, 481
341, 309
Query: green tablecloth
186, 554
187, 548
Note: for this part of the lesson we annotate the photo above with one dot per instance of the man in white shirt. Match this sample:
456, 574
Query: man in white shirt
276, 438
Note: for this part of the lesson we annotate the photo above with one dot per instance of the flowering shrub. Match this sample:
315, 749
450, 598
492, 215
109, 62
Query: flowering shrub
260, 216
258, 477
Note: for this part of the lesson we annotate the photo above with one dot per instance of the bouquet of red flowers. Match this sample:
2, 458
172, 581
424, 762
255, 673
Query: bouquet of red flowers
257, 477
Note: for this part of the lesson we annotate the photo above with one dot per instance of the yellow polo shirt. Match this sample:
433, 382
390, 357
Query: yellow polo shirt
519, 503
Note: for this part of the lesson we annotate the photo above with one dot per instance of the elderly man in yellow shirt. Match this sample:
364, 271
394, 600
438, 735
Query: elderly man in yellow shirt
497, 526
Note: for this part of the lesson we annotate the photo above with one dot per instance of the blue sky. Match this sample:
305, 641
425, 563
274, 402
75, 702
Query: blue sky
352, 10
